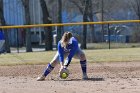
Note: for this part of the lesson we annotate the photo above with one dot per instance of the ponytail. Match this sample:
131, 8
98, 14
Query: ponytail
65, 39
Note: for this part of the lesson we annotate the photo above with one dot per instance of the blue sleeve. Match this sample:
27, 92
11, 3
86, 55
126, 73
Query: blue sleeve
60, 52
72, 51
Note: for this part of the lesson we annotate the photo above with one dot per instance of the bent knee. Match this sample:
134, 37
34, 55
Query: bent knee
53, 63
82, 57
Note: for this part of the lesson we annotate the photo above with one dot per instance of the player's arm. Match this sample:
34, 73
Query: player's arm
72, 52
61, 53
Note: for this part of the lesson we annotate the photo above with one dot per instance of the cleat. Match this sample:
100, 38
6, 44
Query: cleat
85, 77
42, 78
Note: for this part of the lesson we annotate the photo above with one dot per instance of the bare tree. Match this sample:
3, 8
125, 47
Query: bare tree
59, 18
135, 4
90, 16
3, 23
55, 6
48, 30
88, 5
27, 22
85, 19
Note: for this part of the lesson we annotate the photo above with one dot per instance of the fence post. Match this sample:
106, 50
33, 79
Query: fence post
17, 42
108, 36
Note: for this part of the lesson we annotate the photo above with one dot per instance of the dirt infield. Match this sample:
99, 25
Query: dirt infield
114, 77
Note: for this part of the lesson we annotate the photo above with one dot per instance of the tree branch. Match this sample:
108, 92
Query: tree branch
77, 5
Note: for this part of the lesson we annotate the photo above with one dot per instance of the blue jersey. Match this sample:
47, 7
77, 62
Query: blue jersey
71, 49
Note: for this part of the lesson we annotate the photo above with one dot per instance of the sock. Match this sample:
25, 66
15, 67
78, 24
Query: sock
48, 70
84, 66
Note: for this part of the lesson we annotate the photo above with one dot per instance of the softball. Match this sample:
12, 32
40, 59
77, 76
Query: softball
64, 75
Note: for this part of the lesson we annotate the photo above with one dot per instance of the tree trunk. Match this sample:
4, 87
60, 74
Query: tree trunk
3, 23
136, 7
28, 31
48, 30
90, 15
85, 19
84, 35
60, 28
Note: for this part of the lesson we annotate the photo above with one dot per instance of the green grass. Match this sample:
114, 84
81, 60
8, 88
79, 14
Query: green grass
112, 45
114, 55
102, 55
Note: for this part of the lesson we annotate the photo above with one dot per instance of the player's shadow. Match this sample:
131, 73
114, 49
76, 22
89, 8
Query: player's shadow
96, 79
78, 79
89, 79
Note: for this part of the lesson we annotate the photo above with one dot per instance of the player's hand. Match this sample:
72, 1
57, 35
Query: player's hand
66, 62
62, 68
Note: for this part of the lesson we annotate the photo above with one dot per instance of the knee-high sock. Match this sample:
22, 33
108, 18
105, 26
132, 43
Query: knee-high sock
48, 70
84, 66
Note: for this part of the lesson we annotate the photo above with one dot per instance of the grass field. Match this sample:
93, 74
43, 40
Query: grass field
113, 45
103, 55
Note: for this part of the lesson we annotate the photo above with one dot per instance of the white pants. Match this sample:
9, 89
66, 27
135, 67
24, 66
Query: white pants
78, 55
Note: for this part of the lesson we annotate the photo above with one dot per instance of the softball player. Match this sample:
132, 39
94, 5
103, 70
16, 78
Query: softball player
67, 49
